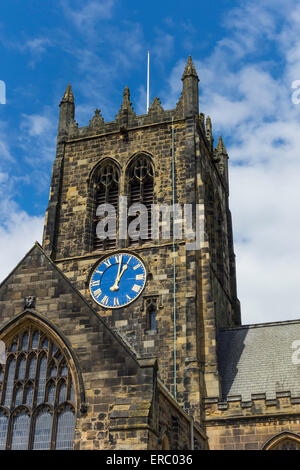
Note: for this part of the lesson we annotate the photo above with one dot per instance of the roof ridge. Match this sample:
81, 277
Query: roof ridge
261, 325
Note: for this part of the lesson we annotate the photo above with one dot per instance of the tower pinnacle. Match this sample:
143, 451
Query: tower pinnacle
68, 96
189, 70
190, 89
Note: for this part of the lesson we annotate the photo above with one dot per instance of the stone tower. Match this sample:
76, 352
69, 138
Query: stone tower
189, 294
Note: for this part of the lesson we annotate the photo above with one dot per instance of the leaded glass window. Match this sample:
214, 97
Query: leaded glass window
141, 191
22, 367
29, 395
51, 393
7, 391
19, 396
24, 341
36, 393
32, 368
106, 184
3, 429
62, 393
42, 431
35, 340
20, 431
65, 430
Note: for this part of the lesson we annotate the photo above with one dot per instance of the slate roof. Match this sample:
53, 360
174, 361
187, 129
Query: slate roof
257, 359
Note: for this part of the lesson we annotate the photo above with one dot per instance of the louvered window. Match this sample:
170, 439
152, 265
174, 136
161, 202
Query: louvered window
141, 185
33, 397
107, 192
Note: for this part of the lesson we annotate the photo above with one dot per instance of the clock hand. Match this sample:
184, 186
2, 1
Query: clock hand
124, 269
117, 280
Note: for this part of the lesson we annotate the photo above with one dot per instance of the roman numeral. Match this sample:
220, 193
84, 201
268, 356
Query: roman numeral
140, 277
136, 288
116, 302
97, 293
118, 258
137, 266
99, 272
104, 300
107, 263
128, 298
95, 283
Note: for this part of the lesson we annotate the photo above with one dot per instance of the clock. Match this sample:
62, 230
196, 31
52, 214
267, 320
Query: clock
118, 280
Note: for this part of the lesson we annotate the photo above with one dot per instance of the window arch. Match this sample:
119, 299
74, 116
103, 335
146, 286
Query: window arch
283, 441
106, 191
140, 179
32, 397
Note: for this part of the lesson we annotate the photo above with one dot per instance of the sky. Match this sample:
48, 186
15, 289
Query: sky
247, 55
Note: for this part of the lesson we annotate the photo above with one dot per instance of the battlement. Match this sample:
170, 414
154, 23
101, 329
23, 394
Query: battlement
259, 405
126, 119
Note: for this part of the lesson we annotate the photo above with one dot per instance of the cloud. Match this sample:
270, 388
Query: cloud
39, 137
35, 124
36, 47
163, 46
86, 17
18, 231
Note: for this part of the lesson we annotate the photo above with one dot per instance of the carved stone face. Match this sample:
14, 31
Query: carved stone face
29, 302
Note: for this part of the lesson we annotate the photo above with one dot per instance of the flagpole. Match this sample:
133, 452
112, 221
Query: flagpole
148, 81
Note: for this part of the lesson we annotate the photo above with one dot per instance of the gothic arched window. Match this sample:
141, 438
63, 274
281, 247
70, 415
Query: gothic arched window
141, 190
106, 185
283, 441
37, 409
151, 312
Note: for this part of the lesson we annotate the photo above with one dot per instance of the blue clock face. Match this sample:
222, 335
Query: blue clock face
118, 280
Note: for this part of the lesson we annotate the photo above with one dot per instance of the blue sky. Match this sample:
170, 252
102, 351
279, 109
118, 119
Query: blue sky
247, 53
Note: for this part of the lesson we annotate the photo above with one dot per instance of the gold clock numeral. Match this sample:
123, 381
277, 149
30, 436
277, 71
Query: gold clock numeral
140, 277
116, 302
99, 272
97, 293
107, 263
137, 266
95, 283
118, 258
104, 300
136, 288
128, 298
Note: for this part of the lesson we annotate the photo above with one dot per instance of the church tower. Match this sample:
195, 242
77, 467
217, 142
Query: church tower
182, 296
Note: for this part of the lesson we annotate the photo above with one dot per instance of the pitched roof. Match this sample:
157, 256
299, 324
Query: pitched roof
257, 359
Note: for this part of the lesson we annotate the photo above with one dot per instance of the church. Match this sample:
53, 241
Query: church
136, 343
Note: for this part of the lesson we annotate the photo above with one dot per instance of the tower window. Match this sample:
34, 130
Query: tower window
106, 192
151, 311
141, 188
36, 408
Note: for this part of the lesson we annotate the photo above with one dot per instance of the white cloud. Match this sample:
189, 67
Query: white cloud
38, 139
18, 232
36, 124
87, 16
163, 46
